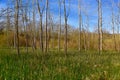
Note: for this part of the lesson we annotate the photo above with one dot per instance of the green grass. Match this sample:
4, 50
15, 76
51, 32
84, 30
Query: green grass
57, 66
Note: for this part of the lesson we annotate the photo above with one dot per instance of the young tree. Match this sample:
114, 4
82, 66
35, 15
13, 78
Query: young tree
87, 29
24, 10
46, 25
34, 26
84, 37
26, 28
8, 23
66, 15
80, 22
51, 31
113, 25
41, 10
118, 24
100, 24
16, 25
59, 31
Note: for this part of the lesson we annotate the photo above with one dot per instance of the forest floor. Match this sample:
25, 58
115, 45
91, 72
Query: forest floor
58, 66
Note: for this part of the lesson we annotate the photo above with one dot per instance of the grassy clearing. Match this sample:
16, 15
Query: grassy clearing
57, 66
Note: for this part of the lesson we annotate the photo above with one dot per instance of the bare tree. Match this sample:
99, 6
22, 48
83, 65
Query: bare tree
113, 26
41, 10
26, 28
16, 25
100, 24
51, 30
118, 24
80, 23
84, 36
8, 23
46, 36
24, 10
34, 27
66, 14
87, 30
59, 31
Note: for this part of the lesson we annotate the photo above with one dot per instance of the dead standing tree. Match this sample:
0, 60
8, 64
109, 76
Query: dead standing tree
16, 25
66, 15
85, 11
59, 31
100, 24
26, 28
46, 25
80, 23
113, 26
24, 9
51, 30
118, 25
8, 24
41, 10
34, 26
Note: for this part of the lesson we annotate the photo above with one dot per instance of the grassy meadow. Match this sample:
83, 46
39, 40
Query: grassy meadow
55, 65
78, 28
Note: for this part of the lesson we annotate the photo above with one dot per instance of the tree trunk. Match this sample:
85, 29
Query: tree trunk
34, 28
80, 23
8, 27
59, 31
113, 28
114, 36
100, 24
65, 30
46, 37
118, 26
16, 25
41, 25
41, 33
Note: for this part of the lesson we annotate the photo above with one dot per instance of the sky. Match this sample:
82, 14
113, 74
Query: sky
88, 6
